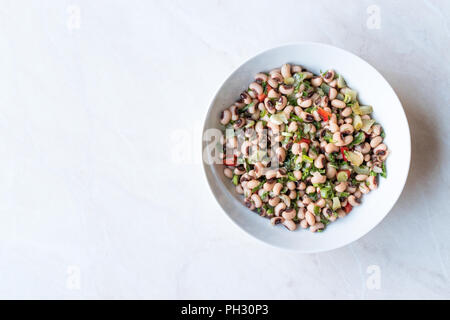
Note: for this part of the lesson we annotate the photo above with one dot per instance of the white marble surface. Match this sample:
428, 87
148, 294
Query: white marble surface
95, 204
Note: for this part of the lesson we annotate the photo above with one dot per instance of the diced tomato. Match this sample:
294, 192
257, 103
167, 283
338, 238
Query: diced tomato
343, 153
305, 140
261, 97
324, 114
348, 208
230, 161
268, 88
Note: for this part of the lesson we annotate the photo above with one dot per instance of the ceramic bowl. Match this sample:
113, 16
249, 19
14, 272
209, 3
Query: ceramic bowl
373, 90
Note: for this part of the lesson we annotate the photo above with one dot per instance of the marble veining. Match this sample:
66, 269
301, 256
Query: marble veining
102, 191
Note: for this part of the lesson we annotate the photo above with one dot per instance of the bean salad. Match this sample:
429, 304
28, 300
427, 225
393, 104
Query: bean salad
300, 147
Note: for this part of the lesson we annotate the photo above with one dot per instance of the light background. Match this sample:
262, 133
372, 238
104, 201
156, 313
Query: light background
95, 108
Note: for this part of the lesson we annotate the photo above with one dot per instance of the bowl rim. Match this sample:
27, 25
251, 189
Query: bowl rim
407, 145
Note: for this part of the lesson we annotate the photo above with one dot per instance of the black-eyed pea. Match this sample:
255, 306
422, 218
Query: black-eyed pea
327, 212
291, 185
293, 126
297, 174
364, 188
316, 81
332, 94
256, 200
245, 148
351, 189
346, 112
328, 76
289, 214
271, 174
256, 87
301, 186
304, 103
380, 149
292, 194
310, 218
330, 148
259, 169
310, 189
268, 185
290, 225
372, 181
341, 186
261, 77
357, 194
319, 162
252, 173
274, 201
363, 148
367, 157
333, 118
320, 203
281, 102
281, 173
304, 224
269, 105
318, 178
228, 173
246, 97
361, 177
279, 208
312, 154
304, 146
239, 123
376, 130
338, 139
281, 154
286, 200
341, 213
296, 69
331, 171
239, 189
225, 117
301, 213
252, 184
338, 104
249, 204
353, 201
296, 149
239, 170
286, 89
286, 70
277, 188
317, 226
316, 116
306, 200
287, 111
375, 142
348, 139
234, 112
346, 128
276, 220
311, 207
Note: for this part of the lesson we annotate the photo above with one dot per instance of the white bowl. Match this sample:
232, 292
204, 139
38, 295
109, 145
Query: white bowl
373, 90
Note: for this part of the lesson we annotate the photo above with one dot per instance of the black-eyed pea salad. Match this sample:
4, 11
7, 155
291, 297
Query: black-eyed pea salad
300, 147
